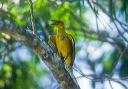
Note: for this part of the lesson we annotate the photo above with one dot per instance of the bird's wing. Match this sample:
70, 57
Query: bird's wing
52, 42
73, 48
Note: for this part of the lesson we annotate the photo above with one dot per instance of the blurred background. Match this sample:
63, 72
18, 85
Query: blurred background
100, 31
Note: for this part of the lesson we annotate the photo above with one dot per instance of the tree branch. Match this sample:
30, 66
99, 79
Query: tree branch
43, 50
101, 78
32, 18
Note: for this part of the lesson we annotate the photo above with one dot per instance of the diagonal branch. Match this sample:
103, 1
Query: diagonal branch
118, 61
43, 50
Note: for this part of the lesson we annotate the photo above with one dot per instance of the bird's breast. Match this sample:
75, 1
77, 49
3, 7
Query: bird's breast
63, 44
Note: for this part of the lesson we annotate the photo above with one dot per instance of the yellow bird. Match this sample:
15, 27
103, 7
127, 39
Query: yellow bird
63, 43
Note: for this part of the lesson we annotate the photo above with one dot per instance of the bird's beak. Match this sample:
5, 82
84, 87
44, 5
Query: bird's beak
54, 22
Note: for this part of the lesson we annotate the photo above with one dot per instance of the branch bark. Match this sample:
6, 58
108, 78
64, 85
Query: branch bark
43, 50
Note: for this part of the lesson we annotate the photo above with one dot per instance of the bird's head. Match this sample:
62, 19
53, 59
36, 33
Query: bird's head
59, 24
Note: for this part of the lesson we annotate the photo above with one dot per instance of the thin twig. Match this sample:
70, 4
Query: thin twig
96, 13
122, 25
105, 21
100, 78
124, 78
96, 10
32, 17
118, 61
110, 84
121, 22
119, 31
112, 18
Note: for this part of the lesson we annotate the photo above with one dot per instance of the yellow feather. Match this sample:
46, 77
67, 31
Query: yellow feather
64, 43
